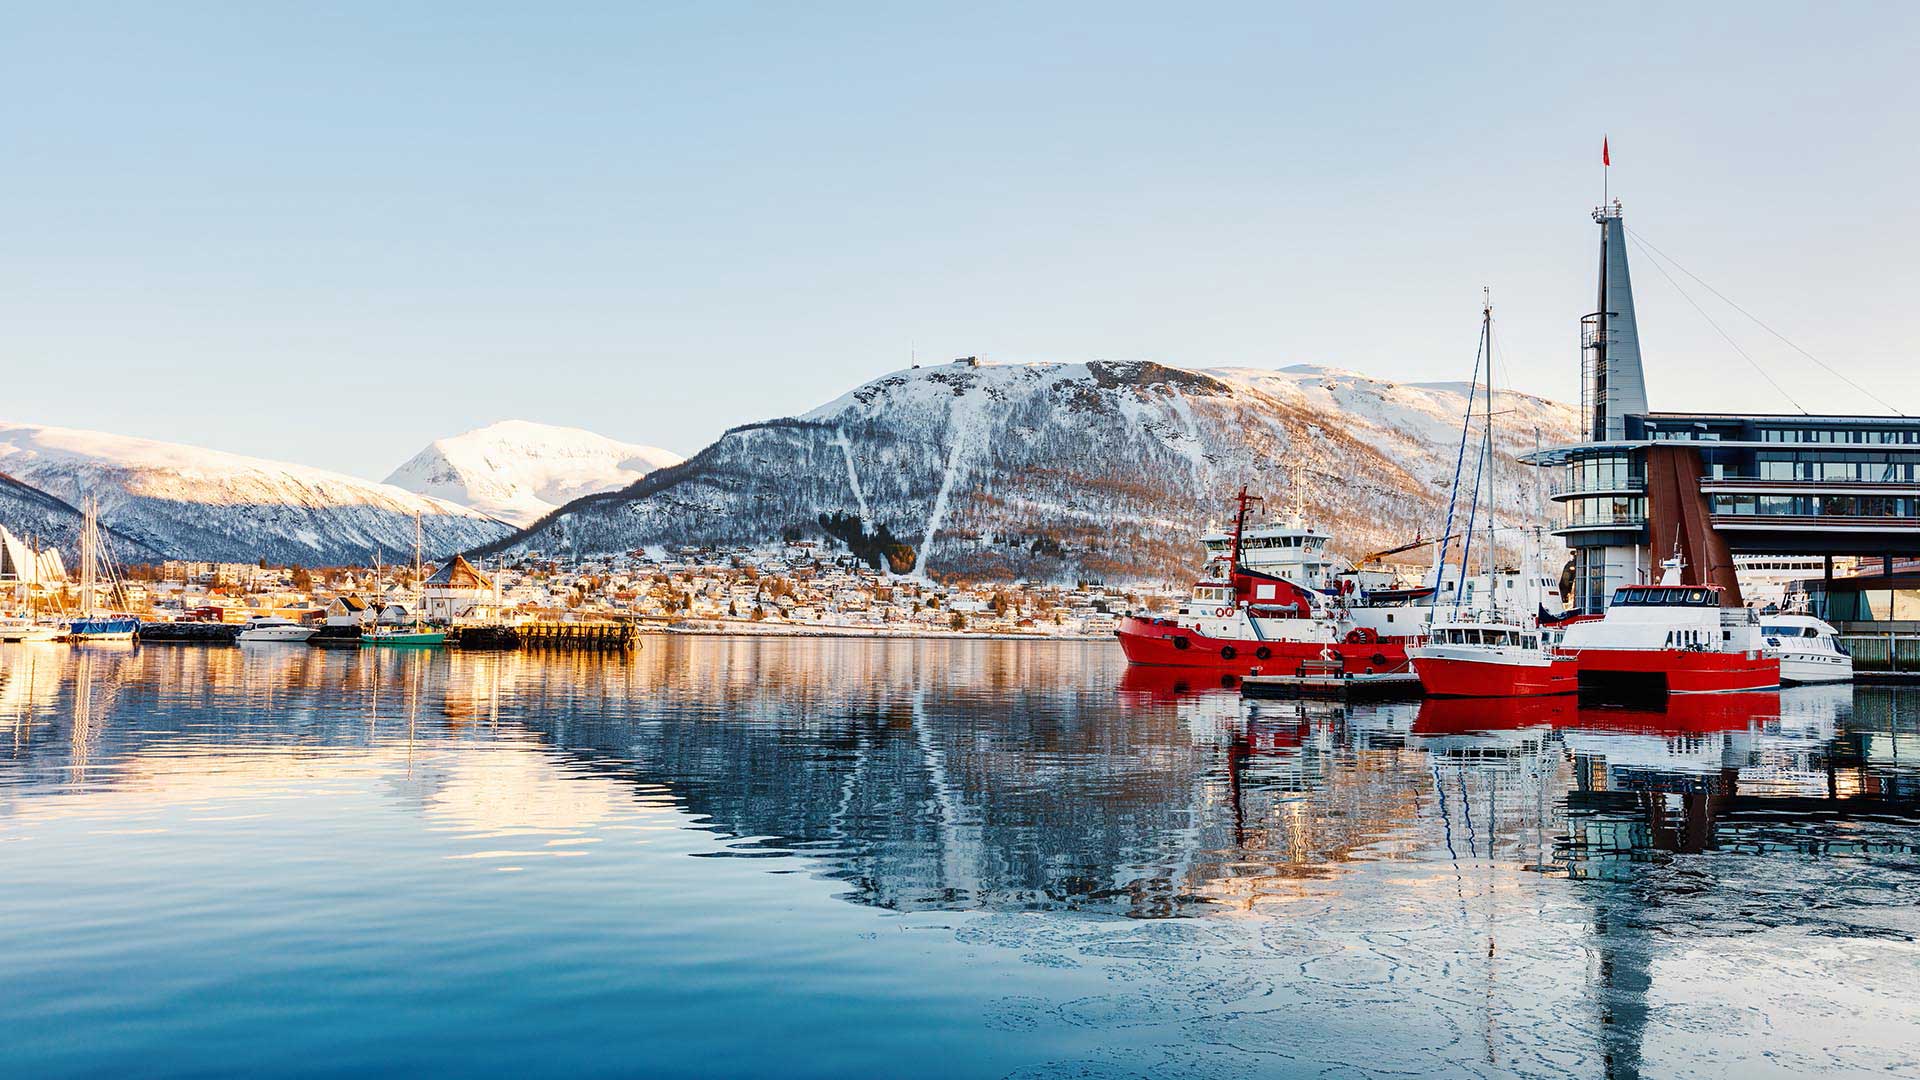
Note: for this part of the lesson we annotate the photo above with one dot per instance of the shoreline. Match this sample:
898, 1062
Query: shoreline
865, 632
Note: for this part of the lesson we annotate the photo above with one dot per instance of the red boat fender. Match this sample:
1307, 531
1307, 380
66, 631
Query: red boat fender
1227, 652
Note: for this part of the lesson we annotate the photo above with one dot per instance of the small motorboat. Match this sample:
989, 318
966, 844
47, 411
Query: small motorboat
273, 628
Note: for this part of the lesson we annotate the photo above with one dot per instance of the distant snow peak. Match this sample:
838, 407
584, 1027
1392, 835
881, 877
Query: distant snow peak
174, 501
520, 471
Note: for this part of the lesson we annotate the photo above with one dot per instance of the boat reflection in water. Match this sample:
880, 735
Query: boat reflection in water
1498, 884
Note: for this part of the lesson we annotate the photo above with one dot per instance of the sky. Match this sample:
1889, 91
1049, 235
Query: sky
333, 235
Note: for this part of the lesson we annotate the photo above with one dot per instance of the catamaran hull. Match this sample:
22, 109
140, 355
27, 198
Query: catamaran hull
1676, 671
1487, 678
1168, 644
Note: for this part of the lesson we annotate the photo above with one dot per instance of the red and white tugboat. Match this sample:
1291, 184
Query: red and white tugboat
1274, 596
1672, 638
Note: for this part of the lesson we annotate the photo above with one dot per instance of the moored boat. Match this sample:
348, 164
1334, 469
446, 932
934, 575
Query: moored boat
1492, 657
402, 635
1500, 650
273, 628
1671, 638
93, 625
102, 628
20, 628
1808, 649
1271, 598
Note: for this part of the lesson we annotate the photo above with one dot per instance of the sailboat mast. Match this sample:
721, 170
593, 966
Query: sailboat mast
89, 545
1486, 323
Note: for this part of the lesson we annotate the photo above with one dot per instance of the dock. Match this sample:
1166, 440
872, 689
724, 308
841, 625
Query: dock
580, 636
211, 633
1383, 686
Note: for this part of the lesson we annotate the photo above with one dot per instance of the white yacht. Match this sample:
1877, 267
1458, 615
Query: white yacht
1808, 649
22, 628
275, 628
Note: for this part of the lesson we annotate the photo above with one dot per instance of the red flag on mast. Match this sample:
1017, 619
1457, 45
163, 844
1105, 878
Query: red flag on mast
1605, 157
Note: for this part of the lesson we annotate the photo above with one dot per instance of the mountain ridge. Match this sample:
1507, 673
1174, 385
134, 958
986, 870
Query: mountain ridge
971, 461
186, 502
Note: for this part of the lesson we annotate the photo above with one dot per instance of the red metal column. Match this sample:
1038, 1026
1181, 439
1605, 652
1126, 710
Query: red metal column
1678, 514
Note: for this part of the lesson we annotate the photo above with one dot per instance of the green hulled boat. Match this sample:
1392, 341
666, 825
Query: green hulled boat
387, 635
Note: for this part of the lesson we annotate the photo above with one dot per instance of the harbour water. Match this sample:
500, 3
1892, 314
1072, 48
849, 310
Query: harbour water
932, 858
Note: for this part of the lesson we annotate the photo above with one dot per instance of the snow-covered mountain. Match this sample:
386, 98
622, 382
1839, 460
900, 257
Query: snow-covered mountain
519, 471
39, 518
1056, 470
185, 502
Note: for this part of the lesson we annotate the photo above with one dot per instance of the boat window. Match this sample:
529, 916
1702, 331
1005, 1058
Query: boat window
1636, 596
1696, 596
1619, 596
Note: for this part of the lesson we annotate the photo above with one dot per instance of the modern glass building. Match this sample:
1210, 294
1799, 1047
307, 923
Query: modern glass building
1643, 485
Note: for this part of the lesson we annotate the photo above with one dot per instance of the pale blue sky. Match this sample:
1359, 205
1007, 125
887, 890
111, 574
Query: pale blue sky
332, 236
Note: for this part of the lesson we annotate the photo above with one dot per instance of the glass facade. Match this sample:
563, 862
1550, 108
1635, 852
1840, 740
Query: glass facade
1827, 465
1873, 506
1604, 472
1625, 511
1590, 585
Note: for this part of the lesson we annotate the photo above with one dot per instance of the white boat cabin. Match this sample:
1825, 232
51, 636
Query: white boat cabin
1668, 617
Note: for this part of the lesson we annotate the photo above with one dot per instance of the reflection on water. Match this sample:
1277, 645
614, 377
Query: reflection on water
981, 858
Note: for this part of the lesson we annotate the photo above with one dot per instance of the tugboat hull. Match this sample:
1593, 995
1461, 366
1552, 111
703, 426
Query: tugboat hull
1165, 643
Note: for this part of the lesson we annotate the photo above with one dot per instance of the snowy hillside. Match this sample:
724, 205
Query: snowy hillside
520, 471
190, 503
1058, 470
39, 518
